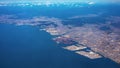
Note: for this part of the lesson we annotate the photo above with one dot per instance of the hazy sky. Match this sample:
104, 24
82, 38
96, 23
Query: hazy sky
98, 1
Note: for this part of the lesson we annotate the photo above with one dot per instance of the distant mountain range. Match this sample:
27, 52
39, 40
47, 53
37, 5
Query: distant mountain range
47, 3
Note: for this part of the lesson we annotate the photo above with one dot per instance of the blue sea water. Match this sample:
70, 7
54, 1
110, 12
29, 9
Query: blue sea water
28, 47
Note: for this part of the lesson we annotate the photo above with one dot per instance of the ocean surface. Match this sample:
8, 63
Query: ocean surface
27, 47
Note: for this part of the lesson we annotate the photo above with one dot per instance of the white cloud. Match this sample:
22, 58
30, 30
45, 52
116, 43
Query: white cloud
91, 3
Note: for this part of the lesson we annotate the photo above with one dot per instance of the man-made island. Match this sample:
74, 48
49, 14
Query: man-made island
87, 40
